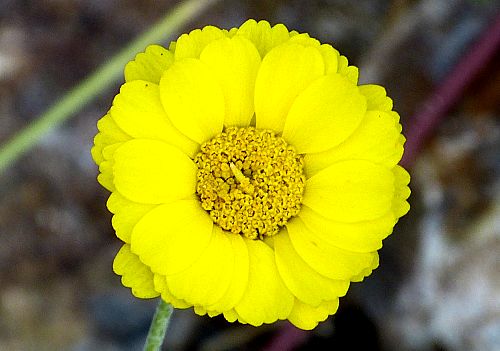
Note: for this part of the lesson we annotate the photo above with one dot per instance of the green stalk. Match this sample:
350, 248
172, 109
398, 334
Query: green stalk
159, 326
98, 81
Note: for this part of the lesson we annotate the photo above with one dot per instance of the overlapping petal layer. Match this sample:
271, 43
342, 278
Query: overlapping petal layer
362, 236
235, 63
135, 274
285, 72
191, 45
149, 65
238, 281
263, 36
351, 191
377, 139
109, 135
138, 111
307, 317
326, 259
266, 298
192, 99
207, 279
324, 114
161, 237
126, 214
300, 278
153, 172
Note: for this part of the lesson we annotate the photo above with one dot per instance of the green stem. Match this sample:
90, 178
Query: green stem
159, 326
92, 86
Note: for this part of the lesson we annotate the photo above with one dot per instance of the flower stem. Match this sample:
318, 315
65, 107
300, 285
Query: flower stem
158, 327
447, 95
93, 85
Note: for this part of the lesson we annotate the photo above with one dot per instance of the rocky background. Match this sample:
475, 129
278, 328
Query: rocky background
438, 287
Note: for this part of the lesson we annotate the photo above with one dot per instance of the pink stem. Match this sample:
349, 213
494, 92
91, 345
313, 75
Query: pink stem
432, 111
288, 338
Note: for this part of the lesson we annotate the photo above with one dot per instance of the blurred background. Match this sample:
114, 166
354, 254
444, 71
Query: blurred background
438, 286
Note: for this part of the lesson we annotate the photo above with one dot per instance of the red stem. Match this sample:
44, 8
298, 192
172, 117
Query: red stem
432, 111
287, 338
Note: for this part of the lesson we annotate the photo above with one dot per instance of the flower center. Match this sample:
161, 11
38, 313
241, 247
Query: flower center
250, 181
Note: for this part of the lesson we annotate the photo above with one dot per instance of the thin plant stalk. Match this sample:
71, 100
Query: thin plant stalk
434, 110
98, 81
159, 326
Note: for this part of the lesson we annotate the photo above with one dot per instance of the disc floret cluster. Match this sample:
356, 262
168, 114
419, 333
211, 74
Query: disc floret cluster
250, 181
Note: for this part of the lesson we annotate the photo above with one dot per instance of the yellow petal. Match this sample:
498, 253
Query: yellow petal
262, 35
330, 55
171, 237
285, 72
266, 299
171, 46
106, 164
331, 58
108, 152
149, 65
109, 134
126, 214
396, 118
153, 172
363, 236
235, 63
324, 114
106, 181
232, 32
135, 274
191, 45
377, 139
376, 97
193, 99
327, 260
111, 131
368, 270
307, 317
239, 280
400, 206
350, 191
160, 284
305, 40
231, 315
206, 281
96, 150
201, 311
212, 314
304, 282
350, 72
139, 112
106, 176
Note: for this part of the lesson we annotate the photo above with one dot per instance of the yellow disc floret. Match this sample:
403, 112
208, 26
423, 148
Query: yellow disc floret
250, 181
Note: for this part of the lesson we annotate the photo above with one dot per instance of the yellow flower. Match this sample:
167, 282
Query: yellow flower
250, 175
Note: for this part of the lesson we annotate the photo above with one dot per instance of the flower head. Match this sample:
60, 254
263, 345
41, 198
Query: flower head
250, 175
